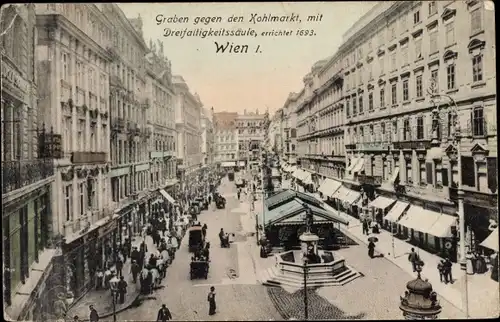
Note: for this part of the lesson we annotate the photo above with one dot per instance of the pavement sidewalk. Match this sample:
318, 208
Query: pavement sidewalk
102, 299
396, 251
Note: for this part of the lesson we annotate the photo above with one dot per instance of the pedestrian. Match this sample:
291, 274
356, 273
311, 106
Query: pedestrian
152, 260
365, 227
440, 268
371, 249
134, 270
211, 301
414, 259
204, 230
448, 267
119, 266
163, 227
94, 317
164, 314
122, 289
238, 193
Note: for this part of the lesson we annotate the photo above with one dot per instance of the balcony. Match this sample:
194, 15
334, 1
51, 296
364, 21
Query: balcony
373, 146
161, 154
412, 145
17, 174
371, 180
88, 157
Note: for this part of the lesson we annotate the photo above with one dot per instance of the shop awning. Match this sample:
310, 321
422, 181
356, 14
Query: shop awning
329, 187
242, 163
394, 175
307, 178
347, 195
353, 164
396, 211
359, 166
419, 219
228, 164
291, 169
167, 196
297, 173
491, 242
442, 227
381, 202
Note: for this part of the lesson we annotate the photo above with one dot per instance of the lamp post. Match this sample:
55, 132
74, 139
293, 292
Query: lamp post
419, 301
306, 302
114, 291
452, 105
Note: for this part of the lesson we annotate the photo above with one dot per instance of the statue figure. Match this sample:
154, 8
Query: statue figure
309, 219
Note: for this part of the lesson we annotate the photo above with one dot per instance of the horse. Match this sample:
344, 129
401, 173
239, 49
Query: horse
161, 264
156, 278
165, 256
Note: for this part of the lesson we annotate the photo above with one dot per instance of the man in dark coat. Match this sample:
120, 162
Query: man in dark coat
152, 261
94, 317
414, 259
134, 269
135, 255
164, 314
122, 290
119, 267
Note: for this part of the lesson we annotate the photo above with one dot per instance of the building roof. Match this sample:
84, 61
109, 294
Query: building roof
225, 120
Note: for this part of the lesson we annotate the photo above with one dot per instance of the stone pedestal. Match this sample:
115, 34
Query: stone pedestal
308, 239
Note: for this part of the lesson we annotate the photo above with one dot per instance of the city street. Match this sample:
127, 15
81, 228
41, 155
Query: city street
187, 300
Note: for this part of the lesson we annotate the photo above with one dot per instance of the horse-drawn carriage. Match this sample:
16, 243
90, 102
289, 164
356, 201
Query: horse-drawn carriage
199, 269
220, 201
202, 203
196, 238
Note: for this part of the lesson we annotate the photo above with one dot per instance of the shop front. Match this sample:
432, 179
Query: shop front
87, 254
347, 200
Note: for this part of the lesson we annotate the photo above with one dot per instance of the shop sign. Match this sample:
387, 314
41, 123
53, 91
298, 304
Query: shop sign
107, 228
480, 199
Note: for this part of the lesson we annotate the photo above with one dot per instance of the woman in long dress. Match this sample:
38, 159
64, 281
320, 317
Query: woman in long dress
211, 301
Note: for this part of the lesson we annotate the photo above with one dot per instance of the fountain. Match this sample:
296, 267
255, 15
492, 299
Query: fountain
309, 265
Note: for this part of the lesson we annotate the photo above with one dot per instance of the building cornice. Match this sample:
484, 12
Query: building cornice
55, 21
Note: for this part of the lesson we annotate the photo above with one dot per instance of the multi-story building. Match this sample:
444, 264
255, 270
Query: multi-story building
226, 139
188, 109
403, 103
251, 135
274, 138
208, 137
403, 60
320, 123
289, 129
160, 122
73, 83
27, 168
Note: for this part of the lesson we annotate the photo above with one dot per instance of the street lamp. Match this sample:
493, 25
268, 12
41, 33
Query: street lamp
114, 291
460, 192
419, 301
306, 302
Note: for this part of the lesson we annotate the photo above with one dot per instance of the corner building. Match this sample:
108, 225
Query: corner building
250, 138
27, 168
400, 140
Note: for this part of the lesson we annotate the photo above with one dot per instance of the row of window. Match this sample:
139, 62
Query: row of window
85, 78
88, 139
86, 197
124, 152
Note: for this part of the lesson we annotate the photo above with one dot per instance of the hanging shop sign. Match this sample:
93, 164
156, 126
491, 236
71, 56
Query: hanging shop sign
107, 228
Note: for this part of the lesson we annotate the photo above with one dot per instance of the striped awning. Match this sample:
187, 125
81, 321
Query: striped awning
396, 211
381, 202
329, 187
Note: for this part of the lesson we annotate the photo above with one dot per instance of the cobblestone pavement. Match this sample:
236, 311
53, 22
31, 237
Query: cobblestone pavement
483, 292
187, 300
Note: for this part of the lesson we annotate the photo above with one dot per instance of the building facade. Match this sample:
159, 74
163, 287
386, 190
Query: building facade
73, 83
251, 134
160, 119
208, 137
27, 168
274, 139
402, 104
188, 111
289, 129
226, 139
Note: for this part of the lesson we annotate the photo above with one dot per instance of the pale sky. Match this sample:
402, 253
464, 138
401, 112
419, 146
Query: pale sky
234, 82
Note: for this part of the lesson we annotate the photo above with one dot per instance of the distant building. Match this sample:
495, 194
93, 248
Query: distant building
226, 139
251, 134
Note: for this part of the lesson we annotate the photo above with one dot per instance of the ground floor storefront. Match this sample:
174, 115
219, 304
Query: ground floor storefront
25, 226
